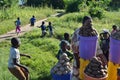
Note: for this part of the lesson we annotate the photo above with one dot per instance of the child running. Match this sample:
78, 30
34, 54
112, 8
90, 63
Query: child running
17, 24
50, 28
14, 66
43, 29
32, 21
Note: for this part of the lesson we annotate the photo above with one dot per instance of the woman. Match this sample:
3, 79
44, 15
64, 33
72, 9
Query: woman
86, 31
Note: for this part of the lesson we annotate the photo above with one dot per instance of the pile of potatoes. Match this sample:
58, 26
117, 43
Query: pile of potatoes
95, 69
116, 35
87, 32
63, 66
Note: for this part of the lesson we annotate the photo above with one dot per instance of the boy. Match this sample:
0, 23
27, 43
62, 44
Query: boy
50, 28
32, 21
14, 66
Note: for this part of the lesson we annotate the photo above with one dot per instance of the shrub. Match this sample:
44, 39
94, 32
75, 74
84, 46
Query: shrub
73, 6
54, 3
96, 12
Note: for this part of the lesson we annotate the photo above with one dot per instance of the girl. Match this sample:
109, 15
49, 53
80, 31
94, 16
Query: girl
18, 23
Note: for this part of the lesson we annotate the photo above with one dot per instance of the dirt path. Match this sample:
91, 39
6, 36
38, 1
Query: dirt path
24, 29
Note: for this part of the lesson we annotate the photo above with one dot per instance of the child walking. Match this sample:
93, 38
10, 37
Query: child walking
14, 66
32, 20
17, 24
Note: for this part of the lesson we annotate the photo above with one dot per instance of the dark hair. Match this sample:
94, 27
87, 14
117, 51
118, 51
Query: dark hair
114, 26
66, 35
85, 18
49, 23
43, 22
15, 42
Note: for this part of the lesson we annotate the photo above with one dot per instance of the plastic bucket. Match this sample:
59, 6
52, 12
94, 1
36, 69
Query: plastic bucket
114, 51
61, 77
86, 77
87, 47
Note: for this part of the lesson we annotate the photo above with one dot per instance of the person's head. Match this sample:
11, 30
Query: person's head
15, 42
33, 16
43, 22
49, 23
66, 36
87, 21
105, 33
63, 45
18, 18
114, 27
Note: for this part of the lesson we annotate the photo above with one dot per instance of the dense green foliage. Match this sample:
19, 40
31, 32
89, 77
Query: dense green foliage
44, 50
53, 3
73, 6
9, 15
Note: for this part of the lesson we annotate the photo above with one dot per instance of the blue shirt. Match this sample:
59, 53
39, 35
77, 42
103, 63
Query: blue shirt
32, 19
43, 27
50, 28
17, 23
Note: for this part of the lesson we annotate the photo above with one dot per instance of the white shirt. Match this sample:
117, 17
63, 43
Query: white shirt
14, 54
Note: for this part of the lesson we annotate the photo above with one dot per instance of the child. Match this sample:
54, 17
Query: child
32, 21
14, 66
67, 38
114, 27
50, 28
17, 24
104, 43
43, 29
63, 49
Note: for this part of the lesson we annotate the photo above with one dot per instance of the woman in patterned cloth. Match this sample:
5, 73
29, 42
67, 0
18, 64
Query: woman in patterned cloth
75, 49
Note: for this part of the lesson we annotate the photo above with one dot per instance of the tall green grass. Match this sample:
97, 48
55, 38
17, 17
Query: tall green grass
44, 50
9, 15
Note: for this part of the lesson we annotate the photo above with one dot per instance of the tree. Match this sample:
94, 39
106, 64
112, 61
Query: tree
54, 3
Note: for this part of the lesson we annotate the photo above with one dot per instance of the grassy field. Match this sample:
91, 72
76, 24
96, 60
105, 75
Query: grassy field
43, 50
8, 16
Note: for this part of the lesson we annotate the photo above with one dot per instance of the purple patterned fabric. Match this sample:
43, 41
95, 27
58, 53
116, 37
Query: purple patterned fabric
114, 51
87, 47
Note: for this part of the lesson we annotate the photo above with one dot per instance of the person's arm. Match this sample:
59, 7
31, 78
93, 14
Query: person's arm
15, 62
58, 54
25, 55
99, 50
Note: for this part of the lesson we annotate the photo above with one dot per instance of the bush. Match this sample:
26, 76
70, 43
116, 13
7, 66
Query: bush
73, 6
96, 12
54, 3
